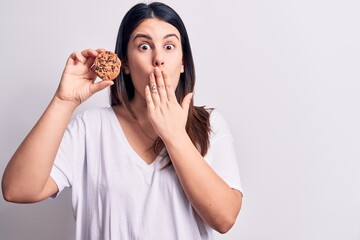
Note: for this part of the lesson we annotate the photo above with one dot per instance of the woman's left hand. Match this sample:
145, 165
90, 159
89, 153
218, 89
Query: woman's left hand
167, 116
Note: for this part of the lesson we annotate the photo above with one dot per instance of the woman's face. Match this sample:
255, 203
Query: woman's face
154, 44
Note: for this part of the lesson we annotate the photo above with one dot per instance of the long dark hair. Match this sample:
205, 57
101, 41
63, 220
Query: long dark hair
198, 126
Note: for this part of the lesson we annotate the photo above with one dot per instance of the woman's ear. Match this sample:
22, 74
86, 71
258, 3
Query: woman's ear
182, 69
125, 67
126, 70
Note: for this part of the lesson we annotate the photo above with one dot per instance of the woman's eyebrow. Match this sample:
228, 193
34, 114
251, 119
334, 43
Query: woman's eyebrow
171, 35
141, 35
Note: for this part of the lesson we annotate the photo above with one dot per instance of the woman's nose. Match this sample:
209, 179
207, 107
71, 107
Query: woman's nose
158, 60
159, 63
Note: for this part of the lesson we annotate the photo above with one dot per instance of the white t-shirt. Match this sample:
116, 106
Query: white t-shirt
117, 195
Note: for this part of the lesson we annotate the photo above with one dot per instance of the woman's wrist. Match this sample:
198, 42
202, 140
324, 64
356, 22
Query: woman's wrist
177, 140
64, 104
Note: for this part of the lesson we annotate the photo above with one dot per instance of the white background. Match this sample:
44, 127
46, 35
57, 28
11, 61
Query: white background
284, 73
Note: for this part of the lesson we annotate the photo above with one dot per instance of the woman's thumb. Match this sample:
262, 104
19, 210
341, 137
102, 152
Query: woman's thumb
186, 101
96, 87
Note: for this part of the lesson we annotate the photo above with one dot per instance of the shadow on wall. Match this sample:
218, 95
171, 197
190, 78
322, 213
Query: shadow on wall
49, 219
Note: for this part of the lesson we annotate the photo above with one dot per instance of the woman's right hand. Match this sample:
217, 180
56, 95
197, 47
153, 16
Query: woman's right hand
78, 80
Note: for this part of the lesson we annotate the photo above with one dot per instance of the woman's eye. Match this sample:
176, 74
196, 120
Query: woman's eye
144, 46
169, 47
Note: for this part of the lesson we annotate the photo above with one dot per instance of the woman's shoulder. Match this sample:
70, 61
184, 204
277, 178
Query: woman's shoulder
92, 115
93, 112
216, 118
218, 124
211, 115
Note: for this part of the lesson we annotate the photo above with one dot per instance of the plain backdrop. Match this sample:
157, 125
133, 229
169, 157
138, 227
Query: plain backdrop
285, 73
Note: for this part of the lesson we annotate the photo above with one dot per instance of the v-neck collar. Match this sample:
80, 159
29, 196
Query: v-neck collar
130, 149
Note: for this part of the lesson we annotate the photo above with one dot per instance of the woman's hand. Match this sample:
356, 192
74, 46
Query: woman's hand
78, 80
167, 116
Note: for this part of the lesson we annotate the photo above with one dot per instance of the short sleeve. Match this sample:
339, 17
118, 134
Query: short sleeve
71, 148
222, 155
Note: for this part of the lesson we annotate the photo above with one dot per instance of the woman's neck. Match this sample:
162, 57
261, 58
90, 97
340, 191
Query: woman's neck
138, 106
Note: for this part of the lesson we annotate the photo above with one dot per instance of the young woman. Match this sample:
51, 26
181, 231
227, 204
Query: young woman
151, 166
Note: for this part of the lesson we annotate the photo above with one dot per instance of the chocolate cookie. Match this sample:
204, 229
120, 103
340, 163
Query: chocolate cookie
107, 65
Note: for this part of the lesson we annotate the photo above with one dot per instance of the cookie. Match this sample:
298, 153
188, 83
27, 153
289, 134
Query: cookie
107, 65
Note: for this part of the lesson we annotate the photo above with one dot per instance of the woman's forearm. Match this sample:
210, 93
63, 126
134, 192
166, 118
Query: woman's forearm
211, 197
28, 170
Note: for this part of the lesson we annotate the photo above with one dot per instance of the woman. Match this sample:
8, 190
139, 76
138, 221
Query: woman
150, 160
